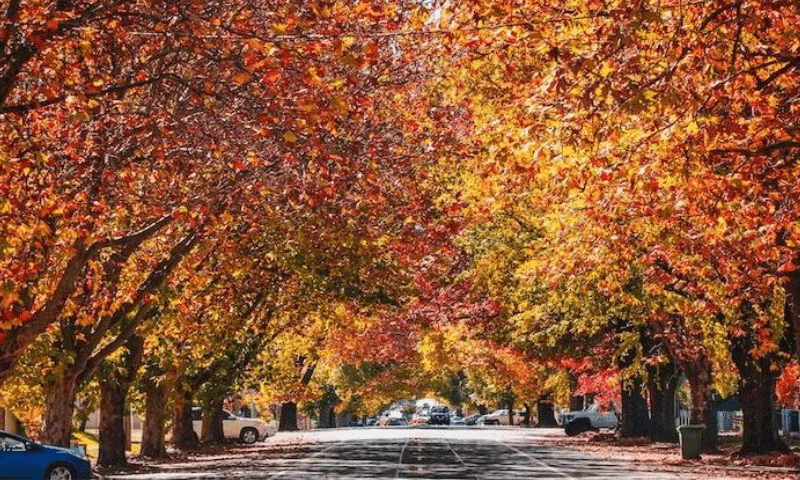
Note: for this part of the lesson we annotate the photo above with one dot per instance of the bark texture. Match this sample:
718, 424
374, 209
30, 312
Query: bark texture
60, 400
183, 436
114, 387
212, 431
756, 394
153, 430
662, 384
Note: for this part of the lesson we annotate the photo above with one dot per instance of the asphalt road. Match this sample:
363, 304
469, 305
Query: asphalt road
400, 453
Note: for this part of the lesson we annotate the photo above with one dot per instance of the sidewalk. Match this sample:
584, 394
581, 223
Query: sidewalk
642, 453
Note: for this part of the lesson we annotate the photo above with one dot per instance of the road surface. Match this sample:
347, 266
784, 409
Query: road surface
399, 453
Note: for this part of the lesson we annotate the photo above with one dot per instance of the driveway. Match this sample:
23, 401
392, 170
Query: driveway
399, 453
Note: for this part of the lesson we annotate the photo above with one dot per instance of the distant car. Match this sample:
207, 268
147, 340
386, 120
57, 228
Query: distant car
22, 458
396, 422
394, 417
591, 418
472, 419
421, 417
439, 415
246, 430
501, 417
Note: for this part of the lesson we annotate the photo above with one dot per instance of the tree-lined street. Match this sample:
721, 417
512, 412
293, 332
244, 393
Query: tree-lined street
403, 453
311, 210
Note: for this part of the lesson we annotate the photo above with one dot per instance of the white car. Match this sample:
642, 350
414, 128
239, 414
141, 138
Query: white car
246, 430
501, 417
592, 418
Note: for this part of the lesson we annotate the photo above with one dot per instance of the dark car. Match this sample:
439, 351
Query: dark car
22, 458
440, 415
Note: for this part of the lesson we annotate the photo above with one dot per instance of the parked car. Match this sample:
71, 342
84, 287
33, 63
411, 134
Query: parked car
439, 415
421, 417
472, 419
23, 458
591, 418
501, 417
246, 430
393, 417
396, 422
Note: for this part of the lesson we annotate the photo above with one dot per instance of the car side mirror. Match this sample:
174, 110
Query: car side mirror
31, 447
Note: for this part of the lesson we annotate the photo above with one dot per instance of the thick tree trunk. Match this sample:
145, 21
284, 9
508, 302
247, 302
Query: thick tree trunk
112, 423
60, 405
662, 384
153, 431
635, 417
212, 431
183, 435
288, 422
756, 394
546, 414
114, 416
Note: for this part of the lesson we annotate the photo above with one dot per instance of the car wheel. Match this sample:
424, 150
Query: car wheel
60, 471
579, 425
248, 435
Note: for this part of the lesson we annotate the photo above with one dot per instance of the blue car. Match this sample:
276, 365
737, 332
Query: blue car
22, 458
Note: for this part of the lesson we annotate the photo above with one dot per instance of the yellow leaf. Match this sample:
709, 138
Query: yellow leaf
289, 136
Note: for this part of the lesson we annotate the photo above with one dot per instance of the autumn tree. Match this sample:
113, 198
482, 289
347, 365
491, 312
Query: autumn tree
635, 126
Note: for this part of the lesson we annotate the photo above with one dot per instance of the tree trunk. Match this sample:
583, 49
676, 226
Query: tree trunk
698, 372
327, 417
114, 386
153, 434
756, 394
183, 435
662, 384
526, 420
112, 429
695, 364
60, 405
635, 417
546, 414
792, 306
212, 431
288, 422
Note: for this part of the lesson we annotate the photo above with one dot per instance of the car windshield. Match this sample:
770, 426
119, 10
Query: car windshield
9, 444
